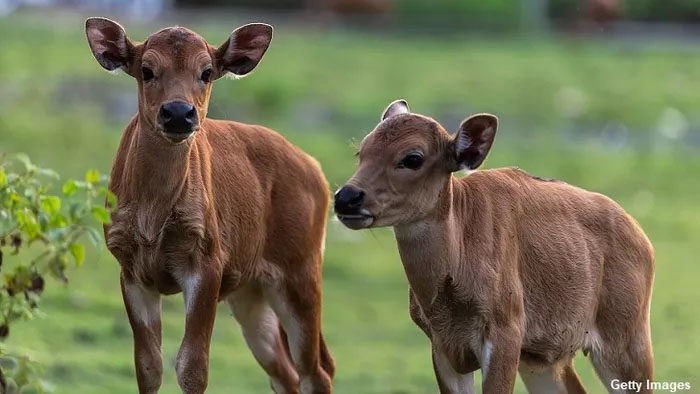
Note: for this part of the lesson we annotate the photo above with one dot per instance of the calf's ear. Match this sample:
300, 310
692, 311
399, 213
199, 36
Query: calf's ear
244, 49
109, 44
473, 141
399, 106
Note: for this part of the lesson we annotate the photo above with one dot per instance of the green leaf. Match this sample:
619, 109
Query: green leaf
76, 210
78, 252
92, 176
48, 173
3, 176
101, 214
24, 159
57, 267
59, 220
43, 219
11, 385
27, 222
57, 234
51, 204
70, 188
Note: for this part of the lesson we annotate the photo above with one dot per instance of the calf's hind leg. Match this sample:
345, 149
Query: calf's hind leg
450, 381
551, 379
265, 338
626, 361
625, 350
296, 299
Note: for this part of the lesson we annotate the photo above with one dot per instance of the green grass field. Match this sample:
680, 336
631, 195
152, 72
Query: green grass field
326, 89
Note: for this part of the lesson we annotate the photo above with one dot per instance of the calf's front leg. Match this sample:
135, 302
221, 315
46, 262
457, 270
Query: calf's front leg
500, 356
201, 291
143, 310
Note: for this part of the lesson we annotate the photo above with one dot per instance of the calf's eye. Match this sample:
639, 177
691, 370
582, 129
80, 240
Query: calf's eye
412, 161
146, 73
206, 75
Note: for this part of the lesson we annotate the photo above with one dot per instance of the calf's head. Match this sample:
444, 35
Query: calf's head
175, 68
405, 164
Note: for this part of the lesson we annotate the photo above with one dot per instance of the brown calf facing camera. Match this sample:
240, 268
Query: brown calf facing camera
194, 203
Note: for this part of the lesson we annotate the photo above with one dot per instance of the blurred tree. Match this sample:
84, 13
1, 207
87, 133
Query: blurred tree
264, 4
470, 15
634, 10
355, 6
664, 11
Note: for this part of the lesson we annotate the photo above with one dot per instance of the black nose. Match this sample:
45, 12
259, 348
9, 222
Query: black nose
349, 199
177, 117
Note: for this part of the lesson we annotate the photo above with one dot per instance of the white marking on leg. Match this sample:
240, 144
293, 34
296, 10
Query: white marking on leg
259, 325
545, 380
182, 355
144, 304
290, 323
605, 374
277, 386
295, 339
455, 382
189, 283
486, 352
261, 335
323, 243
592, 343
306, 385
190, 286
295, 335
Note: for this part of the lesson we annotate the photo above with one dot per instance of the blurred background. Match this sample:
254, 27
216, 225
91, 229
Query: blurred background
598, 93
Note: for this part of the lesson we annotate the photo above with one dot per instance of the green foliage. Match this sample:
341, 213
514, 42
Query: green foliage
42, 232
668, 10
23, 372
565, 9
473, 15
635, 10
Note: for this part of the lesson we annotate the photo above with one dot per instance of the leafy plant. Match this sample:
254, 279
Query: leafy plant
40, 237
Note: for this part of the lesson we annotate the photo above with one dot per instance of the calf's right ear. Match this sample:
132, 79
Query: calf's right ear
473, 141
109, 44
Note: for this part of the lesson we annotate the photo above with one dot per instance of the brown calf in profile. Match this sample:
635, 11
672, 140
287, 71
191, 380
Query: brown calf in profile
507, 271
215, 209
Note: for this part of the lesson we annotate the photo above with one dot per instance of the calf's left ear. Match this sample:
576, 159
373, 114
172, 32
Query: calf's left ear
473, 141
396, 107
244, 49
